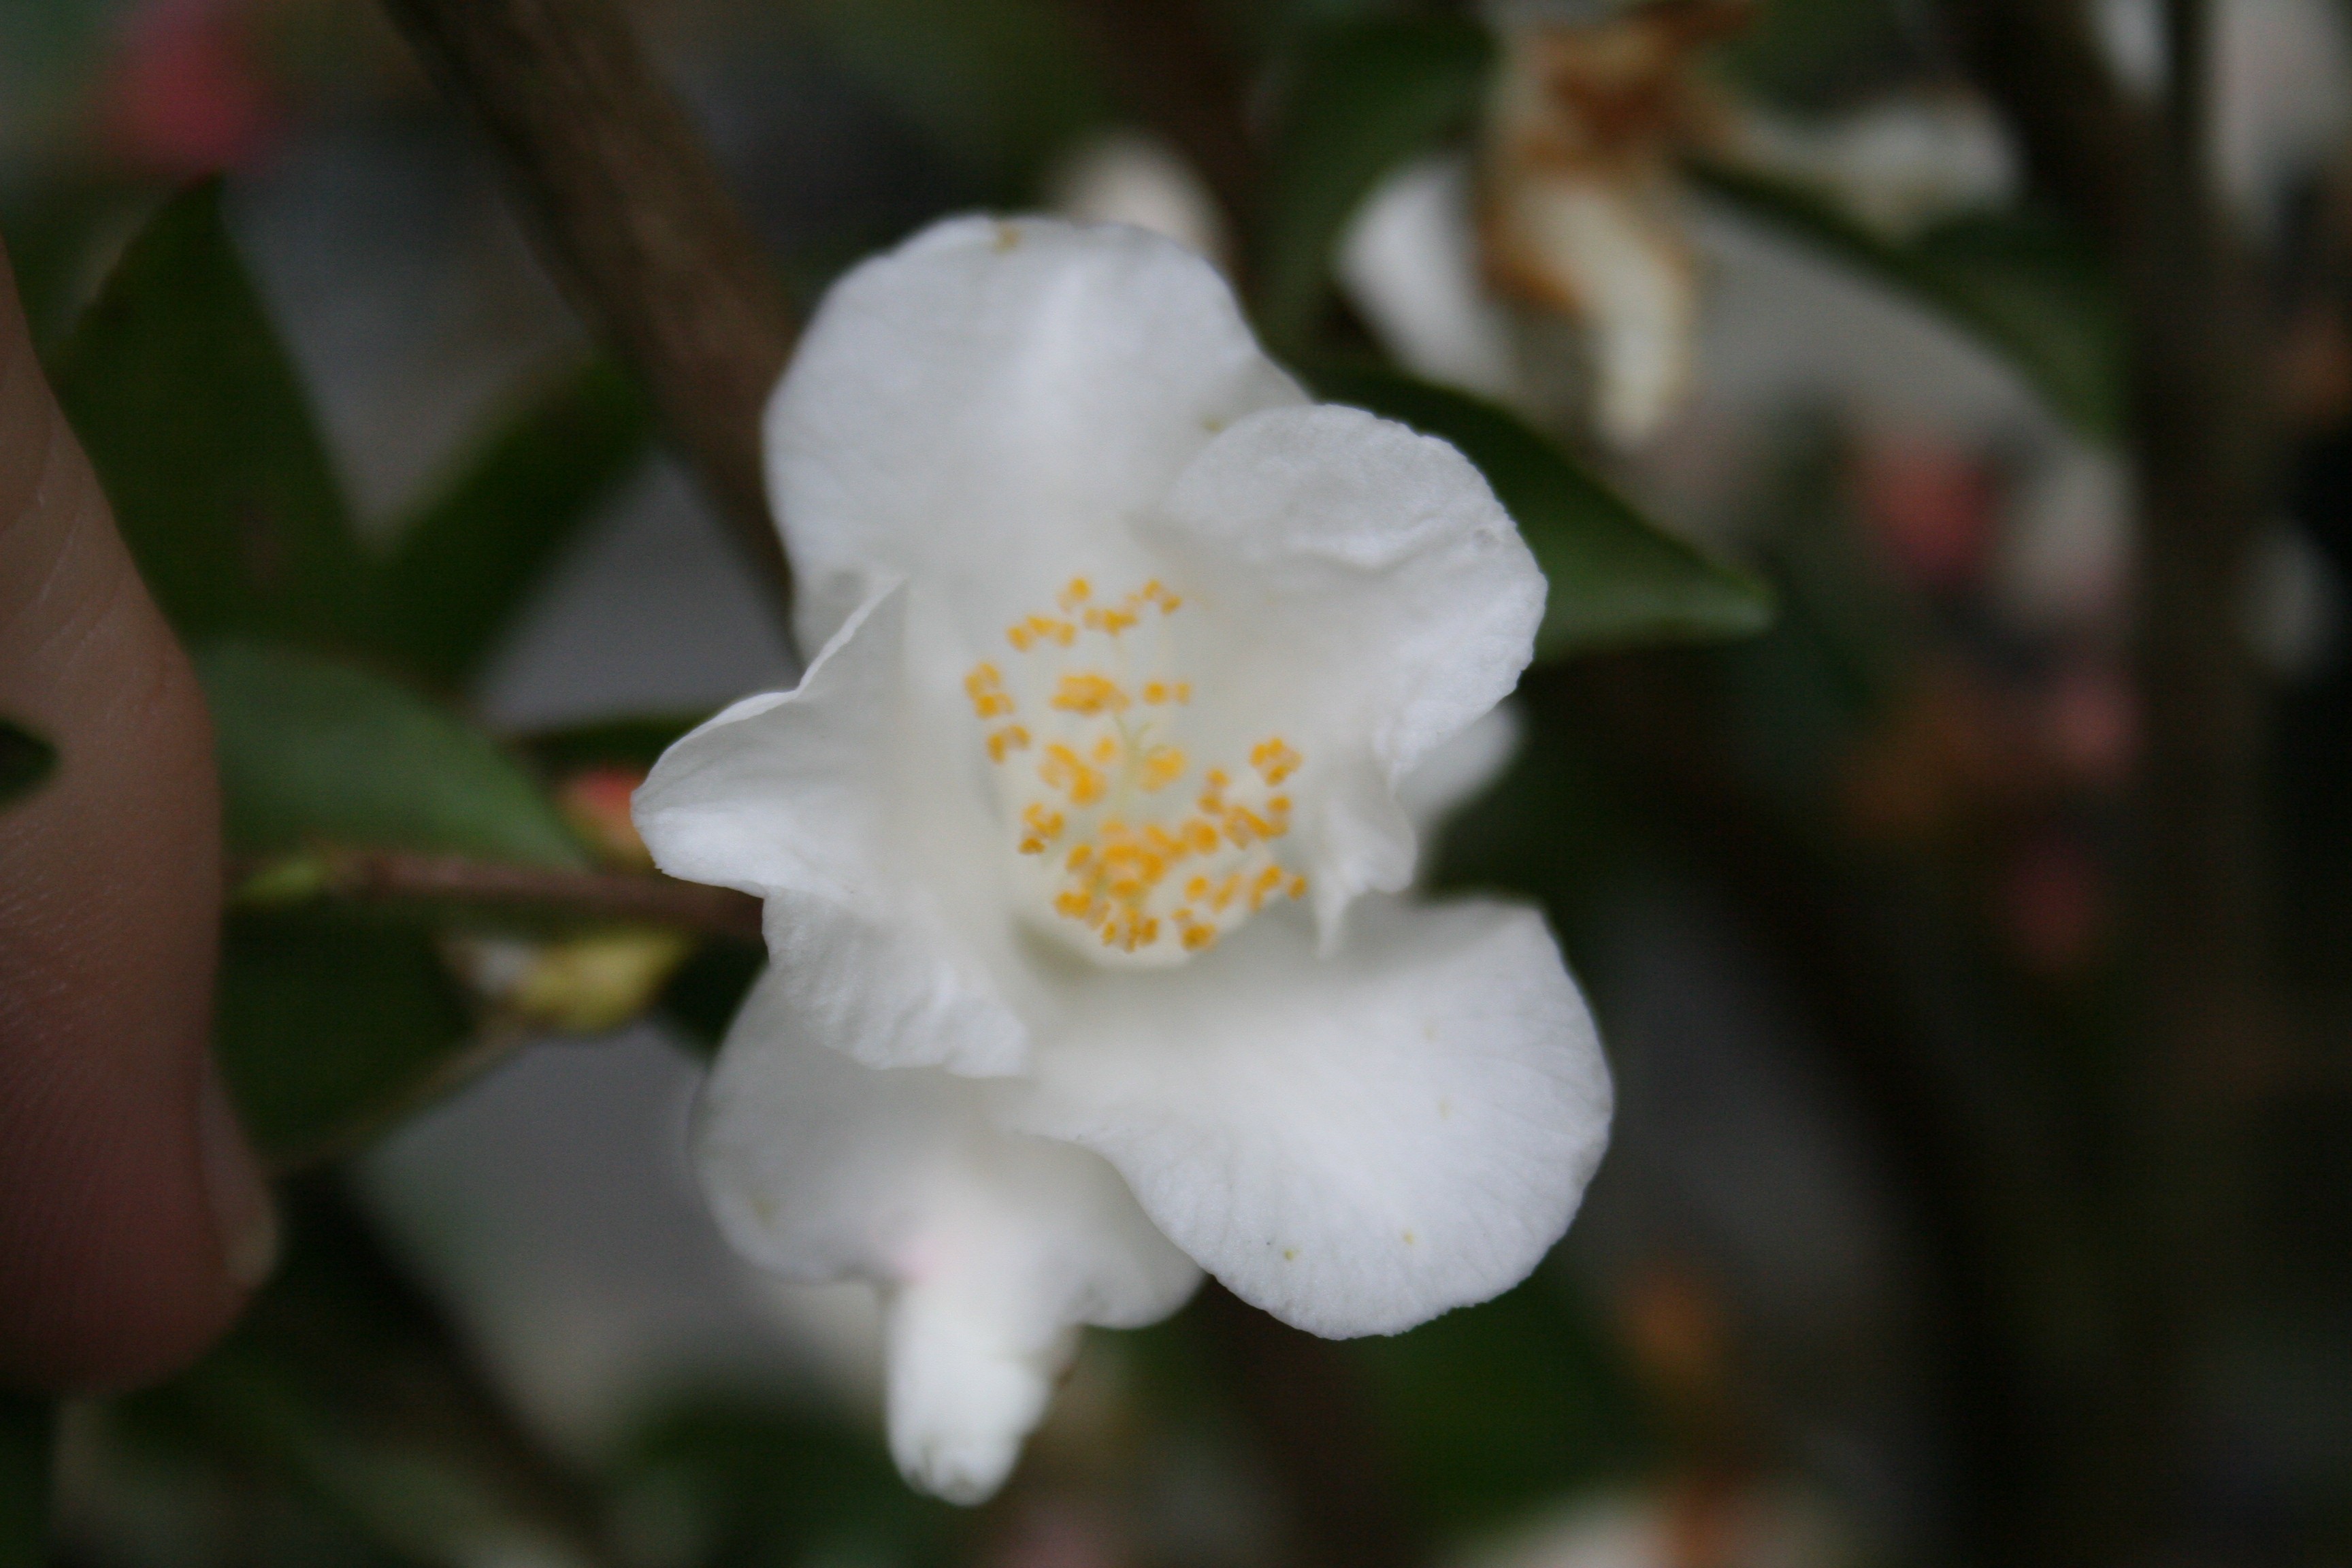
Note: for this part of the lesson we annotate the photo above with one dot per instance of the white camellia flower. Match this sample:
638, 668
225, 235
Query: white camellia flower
1083, 838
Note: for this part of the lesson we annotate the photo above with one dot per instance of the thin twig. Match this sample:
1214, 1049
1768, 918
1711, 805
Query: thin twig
381, 875
633, 217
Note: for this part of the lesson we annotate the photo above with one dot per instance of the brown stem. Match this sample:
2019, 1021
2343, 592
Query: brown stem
633, 219
375, 876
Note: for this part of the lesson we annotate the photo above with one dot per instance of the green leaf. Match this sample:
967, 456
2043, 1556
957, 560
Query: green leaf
27, 1439
342, 1422
1617, 579
2020, 285
26, 762
315, 751
468, 557
1504, 1406
198, 429
325, 1028
1361, 98
636, 741
704, 995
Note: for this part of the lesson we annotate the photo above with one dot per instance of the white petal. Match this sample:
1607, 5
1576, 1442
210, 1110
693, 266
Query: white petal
1409, 261
1372, 599
990, 1247
1355, 1144
1624, 265
982, 410
884, 909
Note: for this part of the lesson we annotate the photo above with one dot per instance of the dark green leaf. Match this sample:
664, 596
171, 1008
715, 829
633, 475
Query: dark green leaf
756, 1481
327, 1027
636, 741
1617, 580
2022, 286
465, 560
27, 1432
342, 1422
1360, 99
708, 988
26, 762
1503, 1407
198, 429
315, 751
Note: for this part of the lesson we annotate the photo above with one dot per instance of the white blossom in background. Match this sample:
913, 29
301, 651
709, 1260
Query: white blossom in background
1579, 202
1900, 165
1130, 177
1086, 841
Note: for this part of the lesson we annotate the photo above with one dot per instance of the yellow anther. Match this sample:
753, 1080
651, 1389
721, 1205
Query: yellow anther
1243, 826
1119, 875
1274, 760
1063, 770
1162, 766
984, 686
1090, 694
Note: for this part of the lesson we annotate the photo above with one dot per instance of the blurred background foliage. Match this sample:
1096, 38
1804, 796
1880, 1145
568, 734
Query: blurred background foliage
1823, 762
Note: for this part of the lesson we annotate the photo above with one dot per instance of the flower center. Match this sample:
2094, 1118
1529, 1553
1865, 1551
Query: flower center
1130, 848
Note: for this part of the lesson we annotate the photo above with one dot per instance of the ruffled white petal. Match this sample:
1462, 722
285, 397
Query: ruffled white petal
883, 907
991, 1247
984, 409
1371, 598
1355, 1144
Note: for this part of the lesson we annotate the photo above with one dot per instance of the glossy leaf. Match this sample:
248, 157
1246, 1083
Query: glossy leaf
470, 555
1617, 579
27, 761
1360, 99
197, 426
327, 1027
316, 752
2020, 286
